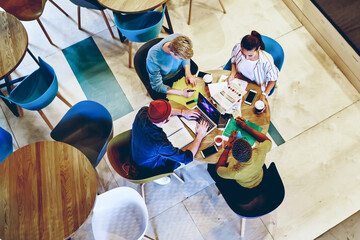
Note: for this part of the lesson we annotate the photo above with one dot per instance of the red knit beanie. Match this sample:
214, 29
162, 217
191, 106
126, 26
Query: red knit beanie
159, 110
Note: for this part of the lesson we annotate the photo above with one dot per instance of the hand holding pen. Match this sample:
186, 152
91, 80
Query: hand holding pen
187, 92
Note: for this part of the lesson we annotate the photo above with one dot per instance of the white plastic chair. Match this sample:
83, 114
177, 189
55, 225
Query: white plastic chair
120, 214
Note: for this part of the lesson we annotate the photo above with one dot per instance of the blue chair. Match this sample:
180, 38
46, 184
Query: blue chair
6, 144
91, 4
87, 126
253, 203
276, 51
140, 27
37, 90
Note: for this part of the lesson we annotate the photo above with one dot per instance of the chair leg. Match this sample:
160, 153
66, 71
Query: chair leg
179, 178
100, 184
145, 236
130, 57
142, 191
46, 34
45, 119
190, 6
273, 218
79, 18
222, 6
18, 108
107, 24
63, 99
242, 226
58, 7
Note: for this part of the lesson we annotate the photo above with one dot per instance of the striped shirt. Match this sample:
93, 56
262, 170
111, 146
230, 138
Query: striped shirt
264, 71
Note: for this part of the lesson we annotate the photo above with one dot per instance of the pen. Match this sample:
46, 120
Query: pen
191, 90
191, 101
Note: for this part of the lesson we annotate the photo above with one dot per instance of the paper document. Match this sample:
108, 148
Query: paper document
176, 132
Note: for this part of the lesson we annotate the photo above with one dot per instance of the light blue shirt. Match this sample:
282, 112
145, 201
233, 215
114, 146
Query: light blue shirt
159, 64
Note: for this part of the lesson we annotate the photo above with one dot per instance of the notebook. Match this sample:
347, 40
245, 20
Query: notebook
208, 113
176, 132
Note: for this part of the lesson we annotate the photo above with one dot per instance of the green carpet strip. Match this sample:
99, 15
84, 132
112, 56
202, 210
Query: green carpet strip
275, 135
95, 77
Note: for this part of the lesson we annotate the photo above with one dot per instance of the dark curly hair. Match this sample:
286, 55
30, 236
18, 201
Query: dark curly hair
241, 150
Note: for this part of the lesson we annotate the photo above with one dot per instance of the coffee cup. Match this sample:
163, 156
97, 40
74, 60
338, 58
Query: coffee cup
208, 78
218, 140
259, 107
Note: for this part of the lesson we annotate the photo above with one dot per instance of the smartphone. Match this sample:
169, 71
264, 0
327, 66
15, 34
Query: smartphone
250, 97
209, 151
201, 74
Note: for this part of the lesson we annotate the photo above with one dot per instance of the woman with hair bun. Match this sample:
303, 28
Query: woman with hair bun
249, 61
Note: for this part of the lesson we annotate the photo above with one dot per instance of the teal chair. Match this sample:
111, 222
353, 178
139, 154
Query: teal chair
140, 27
276, 51
91, 4
6, 144
37, 90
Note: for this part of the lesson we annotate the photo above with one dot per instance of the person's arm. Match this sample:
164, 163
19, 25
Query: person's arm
232, 73
155, 77
259, 136
201, 129
189, 78
225, 154
269, 86
184, 92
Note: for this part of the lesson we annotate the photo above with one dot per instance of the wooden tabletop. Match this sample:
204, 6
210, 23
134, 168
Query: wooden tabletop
47, 190
131, 6
13, 43
262, 120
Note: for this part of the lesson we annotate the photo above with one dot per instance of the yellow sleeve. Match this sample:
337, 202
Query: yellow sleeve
226, 172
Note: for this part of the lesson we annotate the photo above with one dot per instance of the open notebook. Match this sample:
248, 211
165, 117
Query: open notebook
176, 132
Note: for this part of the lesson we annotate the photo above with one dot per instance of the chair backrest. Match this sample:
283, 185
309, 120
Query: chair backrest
264, 201
275, 49
119, 213
37, 90
6, 144
87, 126
24, 10
140, 62
140, 27
119, 155
91, 4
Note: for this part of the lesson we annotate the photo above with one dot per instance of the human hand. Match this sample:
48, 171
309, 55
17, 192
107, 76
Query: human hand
229, 79
190, 79
240, 121
232, 139
191, 114
201, 128
263, 98
188, 92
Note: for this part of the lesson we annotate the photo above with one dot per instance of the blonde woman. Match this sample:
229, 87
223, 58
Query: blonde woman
168, 61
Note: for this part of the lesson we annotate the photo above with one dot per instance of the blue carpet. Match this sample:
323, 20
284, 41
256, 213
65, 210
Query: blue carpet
95, 77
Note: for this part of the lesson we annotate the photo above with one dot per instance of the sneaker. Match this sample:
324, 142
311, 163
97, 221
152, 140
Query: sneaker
163, 180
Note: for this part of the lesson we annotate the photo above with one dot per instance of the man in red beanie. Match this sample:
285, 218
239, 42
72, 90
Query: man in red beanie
150, 146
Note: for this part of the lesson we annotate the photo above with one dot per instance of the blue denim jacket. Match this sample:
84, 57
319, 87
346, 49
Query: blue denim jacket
150, 146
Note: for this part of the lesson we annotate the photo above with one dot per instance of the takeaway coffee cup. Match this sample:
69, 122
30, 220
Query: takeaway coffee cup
218, 140
207, 78
259, 107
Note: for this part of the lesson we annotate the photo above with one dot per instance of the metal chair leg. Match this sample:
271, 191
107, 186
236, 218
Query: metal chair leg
242, 226
177, 176
107, 24
46, 34
45, 119
142, 191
